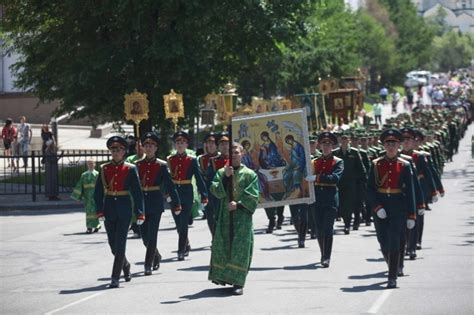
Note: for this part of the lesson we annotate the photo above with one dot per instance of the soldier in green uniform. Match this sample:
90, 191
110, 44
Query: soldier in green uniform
354, 173
118, 190
84, 191
232, 246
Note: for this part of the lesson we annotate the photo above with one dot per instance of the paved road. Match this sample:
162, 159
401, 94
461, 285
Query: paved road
49, 266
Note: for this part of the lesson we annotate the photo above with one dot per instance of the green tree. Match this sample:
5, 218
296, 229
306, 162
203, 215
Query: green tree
90, 53
328, 48
452, 51
377, 49
415, 36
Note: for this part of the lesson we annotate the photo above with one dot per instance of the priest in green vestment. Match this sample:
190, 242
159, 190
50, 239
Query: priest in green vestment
84, 190
233, 240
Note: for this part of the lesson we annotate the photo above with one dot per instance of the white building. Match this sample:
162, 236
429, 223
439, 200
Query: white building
459, 13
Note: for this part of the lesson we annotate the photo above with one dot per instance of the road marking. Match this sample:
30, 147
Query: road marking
378, 304
75, 303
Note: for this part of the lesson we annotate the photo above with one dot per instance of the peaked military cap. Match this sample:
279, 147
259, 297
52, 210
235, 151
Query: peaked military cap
327, 135
210, 136
181, 135
391, 135
116, 139
408, 132
150, 136
223, 136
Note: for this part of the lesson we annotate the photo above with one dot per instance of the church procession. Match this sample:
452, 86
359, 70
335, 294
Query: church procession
237, 157
387, 175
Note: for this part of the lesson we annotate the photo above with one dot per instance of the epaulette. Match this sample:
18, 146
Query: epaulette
421, 152
404, 162
362, 150
337, 159
375, 161
406, 157
160, 161
129, 165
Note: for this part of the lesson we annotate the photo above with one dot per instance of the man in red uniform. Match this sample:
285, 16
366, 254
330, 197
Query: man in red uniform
182, 169
327, 171
210, 143
117, 184
155, 181
391, 196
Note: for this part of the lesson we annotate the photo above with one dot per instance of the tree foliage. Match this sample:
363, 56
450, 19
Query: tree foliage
452, 51
90, 53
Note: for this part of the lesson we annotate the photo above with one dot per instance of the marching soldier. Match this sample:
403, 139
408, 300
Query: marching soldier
354, 173
182, 168
391, 196
116, 191
210, 143
327, 171
155, 180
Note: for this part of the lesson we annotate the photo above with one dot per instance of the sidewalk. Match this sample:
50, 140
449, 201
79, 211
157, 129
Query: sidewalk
25, 202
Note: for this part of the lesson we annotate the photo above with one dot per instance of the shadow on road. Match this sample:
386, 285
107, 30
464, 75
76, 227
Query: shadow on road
207, 293
89, 289
375, 259
195, 268
293, 246
362, 288
381, 274
311, 266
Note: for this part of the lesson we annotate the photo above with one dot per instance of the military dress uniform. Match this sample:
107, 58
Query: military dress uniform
155, 181
203, 162
182, 169
328, 171
117, 185
354, 173
391, 196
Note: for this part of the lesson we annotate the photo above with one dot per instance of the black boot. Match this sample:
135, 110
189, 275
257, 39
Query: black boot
279, 222
327, 250
393, 264
271, 226
116, 270
156, 260
187, 249
385, 257
126, 270
321, 247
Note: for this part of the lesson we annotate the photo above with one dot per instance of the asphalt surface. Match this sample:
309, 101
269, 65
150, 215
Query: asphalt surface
48, 265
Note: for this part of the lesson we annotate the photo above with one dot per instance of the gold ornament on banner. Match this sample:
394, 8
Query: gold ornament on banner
136, 108
174, 107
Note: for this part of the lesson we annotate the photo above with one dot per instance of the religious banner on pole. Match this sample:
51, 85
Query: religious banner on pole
136, 108
276, 147
174, 107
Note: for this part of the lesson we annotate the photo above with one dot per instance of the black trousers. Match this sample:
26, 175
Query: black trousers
299, 214
181, 222
117, 230
149, 233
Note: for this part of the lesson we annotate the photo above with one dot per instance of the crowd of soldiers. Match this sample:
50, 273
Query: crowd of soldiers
388, 177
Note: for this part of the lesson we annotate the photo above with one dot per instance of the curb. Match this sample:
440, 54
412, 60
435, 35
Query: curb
41, 206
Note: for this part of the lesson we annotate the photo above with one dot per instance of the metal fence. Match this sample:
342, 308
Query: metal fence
30, 177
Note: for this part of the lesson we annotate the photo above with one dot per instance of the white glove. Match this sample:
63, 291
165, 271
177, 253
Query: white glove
410, 224
168, 199
310, 178
203, 205
434, 199
381, 213
140, 221
421, 211
177, 212
101, 218
442, 194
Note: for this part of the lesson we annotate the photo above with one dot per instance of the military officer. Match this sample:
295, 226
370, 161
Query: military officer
327, 170
155, 180
354, 173
390, 194
210, 143
182, 168
116, 191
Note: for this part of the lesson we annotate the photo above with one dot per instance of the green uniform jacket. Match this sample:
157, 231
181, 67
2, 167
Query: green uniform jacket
231, 258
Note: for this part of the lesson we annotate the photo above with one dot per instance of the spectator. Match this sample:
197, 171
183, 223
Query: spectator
378, 113
8, 134
25, 135
383, 94
51, 170
46, 135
